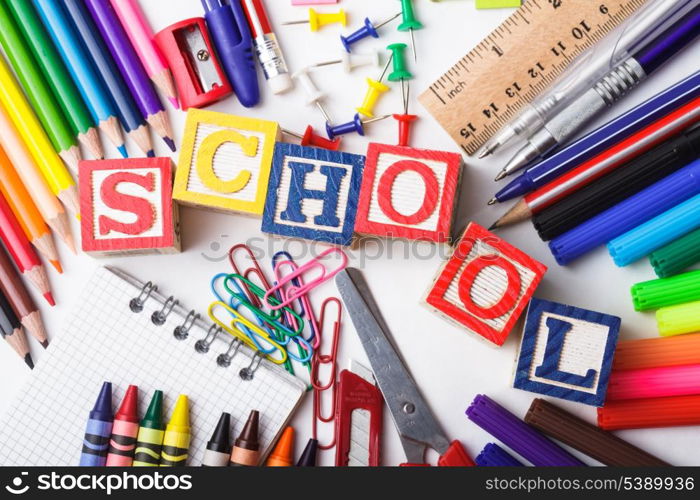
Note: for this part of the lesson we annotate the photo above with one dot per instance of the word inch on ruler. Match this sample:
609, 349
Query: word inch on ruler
516, 62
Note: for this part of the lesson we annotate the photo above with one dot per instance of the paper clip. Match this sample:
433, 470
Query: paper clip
305, 301
296, 292
252, 269
295, 282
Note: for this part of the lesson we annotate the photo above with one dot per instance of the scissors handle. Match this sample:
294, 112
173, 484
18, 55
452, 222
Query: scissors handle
455, 456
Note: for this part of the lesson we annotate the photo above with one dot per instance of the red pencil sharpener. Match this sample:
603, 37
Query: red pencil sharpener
192, 59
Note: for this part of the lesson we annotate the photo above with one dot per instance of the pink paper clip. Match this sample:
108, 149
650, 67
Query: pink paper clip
294, 292
248, 273
305, 302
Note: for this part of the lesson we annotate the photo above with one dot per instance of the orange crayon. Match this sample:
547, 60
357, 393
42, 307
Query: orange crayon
283, 454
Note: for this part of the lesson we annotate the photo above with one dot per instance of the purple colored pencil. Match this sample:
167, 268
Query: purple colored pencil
131, 68
517, 435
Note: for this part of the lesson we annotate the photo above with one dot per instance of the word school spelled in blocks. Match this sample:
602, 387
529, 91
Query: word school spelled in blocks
313, 194
409, 193
566, 352
127, 207
225, 162
485, 285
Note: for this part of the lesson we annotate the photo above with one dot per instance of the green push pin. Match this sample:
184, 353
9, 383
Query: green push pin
399, 59
410, 23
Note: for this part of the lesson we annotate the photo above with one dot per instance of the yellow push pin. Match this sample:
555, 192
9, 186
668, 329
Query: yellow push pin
318, 20
375, 90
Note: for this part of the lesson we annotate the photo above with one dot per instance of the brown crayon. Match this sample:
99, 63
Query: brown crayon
246, 449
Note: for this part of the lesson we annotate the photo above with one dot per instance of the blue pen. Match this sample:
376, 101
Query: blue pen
660, 231
602, 138
229, 29
494, 456
625, 216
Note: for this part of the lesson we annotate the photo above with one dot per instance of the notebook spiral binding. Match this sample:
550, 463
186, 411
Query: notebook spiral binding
149, 291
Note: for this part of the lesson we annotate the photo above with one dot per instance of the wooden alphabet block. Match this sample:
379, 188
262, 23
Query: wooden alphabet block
566, 352
485, 285
409, 193
225, 162
127, 207
313, 194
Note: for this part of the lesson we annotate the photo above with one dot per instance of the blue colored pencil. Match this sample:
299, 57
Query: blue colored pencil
83, 73
602, 138
625, 216
660, 231
494, 456
129, 114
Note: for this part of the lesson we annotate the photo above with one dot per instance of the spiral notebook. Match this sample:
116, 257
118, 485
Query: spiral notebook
104, 340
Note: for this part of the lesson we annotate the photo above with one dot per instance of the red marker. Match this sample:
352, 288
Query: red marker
125, 431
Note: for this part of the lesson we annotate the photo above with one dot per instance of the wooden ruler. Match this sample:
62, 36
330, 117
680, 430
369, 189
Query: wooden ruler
516, 62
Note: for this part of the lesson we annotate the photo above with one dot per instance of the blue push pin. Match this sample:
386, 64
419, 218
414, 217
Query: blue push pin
357, 125
367, 30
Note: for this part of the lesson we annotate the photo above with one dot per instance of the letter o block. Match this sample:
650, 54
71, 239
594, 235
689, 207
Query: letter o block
485, 285
225, 162
409, 193
127, 207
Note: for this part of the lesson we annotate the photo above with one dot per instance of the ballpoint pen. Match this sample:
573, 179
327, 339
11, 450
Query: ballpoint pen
624, 77
582, 73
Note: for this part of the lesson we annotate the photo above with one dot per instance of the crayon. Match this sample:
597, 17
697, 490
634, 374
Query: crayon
176, 441
149, 442
246, 449
283, 454
218, 449
99, 430
125, 431
308, 456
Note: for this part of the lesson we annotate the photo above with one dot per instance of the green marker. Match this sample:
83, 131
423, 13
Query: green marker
665, 292
410, 23
149, 442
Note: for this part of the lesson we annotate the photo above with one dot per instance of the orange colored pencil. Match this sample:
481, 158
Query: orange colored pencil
27, 213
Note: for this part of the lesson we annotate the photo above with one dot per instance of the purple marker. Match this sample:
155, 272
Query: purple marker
131, 68
517, 435
494, 456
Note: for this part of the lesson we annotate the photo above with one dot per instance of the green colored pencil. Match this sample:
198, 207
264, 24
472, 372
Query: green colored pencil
57, 75
37, 90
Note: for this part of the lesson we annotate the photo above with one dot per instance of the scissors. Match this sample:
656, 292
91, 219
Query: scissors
417, 426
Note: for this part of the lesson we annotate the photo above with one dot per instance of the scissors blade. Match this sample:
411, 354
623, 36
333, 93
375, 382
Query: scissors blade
413, 418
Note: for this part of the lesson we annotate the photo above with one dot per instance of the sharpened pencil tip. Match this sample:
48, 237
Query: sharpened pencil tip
174, 102
49, 298
123, 152
493, 201
494, 226
57, 265
45, 344
170, 143
151, 154
30, 362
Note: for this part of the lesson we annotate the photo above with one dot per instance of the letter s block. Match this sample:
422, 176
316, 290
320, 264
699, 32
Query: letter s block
409, 193
313, 194
127, 207
225, 162
566, 352
485, 285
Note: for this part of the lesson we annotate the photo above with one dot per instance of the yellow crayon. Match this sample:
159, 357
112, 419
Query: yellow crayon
177, 435
38, 143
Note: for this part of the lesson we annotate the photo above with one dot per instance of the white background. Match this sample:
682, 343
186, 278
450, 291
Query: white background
450, 366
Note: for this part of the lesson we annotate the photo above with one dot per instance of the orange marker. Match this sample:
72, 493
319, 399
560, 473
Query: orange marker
283, 454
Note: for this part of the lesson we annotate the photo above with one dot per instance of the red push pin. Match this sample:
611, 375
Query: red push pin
311, 138
405, 125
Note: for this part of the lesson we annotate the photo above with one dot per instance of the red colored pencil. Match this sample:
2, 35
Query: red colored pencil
22, 252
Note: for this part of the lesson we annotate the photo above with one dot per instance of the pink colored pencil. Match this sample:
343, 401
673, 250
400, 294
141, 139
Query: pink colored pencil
659, 382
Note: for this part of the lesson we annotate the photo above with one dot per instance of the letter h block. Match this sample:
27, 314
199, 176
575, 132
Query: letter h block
127, 207
566, 352
313, 194
409, 193
485, 285
225, 162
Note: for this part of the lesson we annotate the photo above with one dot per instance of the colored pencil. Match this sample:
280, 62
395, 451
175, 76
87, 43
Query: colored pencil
21, 301
37, 90
141, 35
11, 331
601, 445
49, 206
657, 351
84, 73
617, 186
129, 114
677, 256
21, 251
657, 382
665, 292
26, 122
627, 215
636, 144
26, 212
675, 411
131, 68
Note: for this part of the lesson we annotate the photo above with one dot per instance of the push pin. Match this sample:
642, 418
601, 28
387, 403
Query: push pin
410, 23
314, 95
405, 126
375, 90
353, 61
400, 72
367, 30
318, 20
311, 138
357, 125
